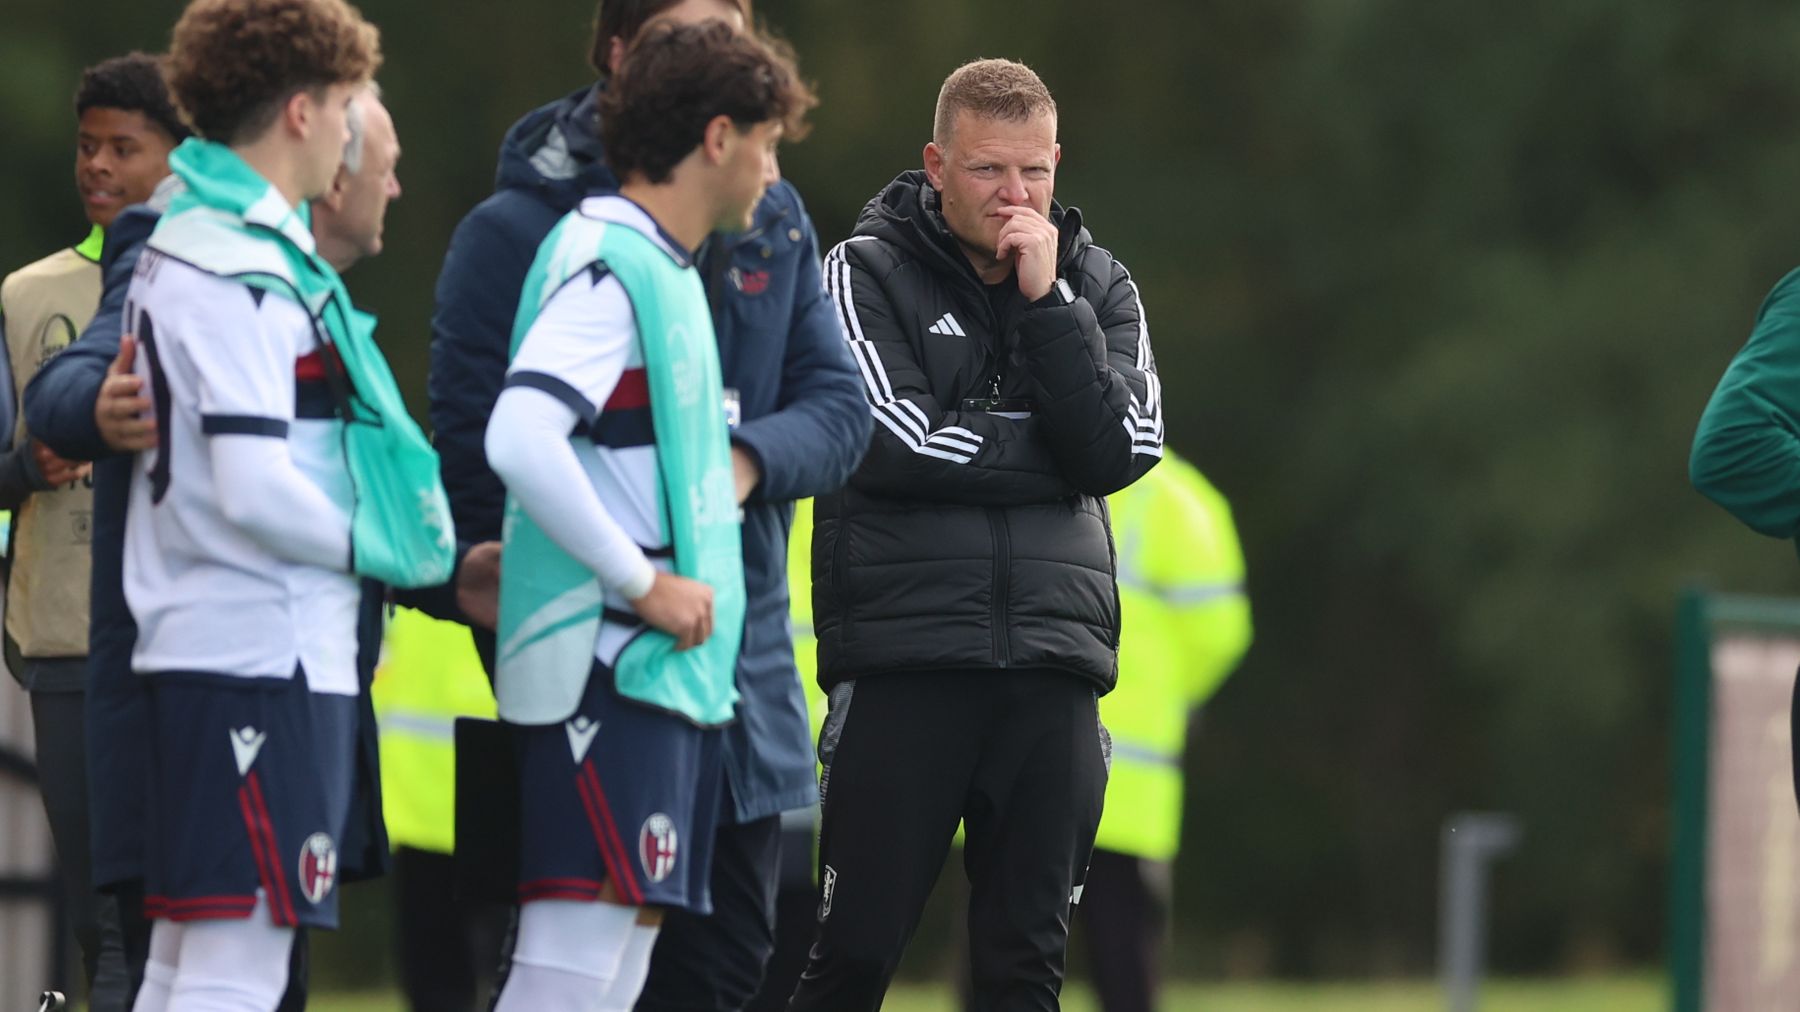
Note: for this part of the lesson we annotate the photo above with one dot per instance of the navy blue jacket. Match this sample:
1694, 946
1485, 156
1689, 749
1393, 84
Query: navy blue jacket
781, 347
59, 409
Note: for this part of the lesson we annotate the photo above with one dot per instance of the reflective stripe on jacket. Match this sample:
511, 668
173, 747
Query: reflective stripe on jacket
429, 675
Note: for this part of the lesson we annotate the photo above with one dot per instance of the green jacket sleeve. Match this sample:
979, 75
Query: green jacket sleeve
1746, 454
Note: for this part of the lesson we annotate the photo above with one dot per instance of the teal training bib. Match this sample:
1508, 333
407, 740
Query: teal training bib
550, 605
231, 222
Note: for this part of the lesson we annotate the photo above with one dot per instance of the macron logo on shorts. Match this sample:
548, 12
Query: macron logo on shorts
581, 736
246, 742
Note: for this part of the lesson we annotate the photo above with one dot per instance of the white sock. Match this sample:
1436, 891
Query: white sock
159, 969
634, 969
531, 988
232, 966
567, 956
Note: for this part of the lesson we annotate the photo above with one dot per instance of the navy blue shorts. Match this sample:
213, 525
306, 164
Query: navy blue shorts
249, 788
619, 792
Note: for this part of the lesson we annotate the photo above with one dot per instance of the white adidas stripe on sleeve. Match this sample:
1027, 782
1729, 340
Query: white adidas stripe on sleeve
1145, 420
902, 417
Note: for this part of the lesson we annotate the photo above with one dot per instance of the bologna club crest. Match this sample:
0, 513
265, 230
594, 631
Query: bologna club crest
318, 867
656, 847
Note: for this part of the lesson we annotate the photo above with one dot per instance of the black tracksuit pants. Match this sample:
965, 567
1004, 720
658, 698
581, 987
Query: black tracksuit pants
447, 946
1124, 918
1019, 757
58, 721
714, 962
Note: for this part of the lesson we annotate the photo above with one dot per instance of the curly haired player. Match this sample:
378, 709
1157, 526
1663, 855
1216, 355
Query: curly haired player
238, 560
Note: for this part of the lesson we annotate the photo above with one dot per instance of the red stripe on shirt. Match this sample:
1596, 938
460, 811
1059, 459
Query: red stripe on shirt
633, 391
310, 367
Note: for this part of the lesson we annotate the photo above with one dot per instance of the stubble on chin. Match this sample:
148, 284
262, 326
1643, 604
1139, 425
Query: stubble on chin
981, 253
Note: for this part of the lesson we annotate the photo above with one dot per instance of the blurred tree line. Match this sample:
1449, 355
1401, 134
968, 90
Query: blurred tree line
1437, 292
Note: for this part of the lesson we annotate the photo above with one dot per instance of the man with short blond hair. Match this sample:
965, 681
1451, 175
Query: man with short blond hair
963, 582
990, 89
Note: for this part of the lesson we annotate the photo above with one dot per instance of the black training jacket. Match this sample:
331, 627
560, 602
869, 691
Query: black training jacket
975, 534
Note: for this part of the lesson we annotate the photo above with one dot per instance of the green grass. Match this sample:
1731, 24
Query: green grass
1597, 994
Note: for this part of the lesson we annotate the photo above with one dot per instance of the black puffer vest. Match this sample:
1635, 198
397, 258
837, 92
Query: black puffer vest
1015, 572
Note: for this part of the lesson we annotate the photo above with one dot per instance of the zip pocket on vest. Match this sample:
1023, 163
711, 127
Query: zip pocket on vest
840, 575
1002, 565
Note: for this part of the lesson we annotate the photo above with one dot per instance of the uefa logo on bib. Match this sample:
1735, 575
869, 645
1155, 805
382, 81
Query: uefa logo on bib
656, 847
318, 867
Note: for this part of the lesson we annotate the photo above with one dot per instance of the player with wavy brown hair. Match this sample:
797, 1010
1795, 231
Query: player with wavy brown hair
801, 425
619, 722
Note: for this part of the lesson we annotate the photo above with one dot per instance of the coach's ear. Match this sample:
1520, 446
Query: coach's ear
934, 165
716, 142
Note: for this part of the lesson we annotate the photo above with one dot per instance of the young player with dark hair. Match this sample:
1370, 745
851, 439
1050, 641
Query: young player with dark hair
622, 603
125, 128
803, 424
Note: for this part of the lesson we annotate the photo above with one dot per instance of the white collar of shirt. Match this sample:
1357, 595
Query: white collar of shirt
272, 211
618, 210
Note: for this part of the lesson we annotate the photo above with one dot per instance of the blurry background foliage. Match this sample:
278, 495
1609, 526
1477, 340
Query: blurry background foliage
1437, 292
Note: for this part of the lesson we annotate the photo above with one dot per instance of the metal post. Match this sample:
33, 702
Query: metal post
1470, 842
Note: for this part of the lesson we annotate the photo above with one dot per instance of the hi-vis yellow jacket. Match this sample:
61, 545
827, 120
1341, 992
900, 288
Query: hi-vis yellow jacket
1186, 622
429, 675
806, 645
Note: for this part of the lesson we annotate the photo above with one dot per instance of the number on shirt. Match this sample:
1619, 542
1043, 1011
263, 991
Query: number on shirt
159, 397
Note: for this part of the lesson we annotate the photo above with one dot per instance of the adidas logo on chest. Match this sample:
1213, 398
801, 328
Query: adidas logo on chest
947, 326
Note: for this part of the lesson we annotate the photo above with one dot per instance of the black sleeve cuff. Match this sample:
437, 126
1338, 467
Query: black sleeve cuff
559, 389
762, 469
1060, 295
243, 425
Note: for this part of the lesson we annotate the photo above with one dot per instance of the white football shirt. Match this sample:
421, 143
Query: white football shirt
219, 360
583, 349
